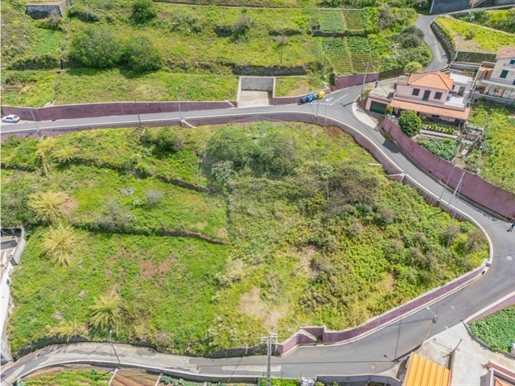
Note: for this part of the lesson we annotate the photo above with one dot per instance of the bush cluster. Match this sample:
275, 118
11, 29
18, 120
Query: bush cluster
102, 48
410, 123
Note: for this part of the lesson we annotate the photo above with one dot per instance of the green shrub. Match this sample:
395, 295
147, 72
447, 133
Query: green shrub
143, 11
410, 123
97, 48
83, 13
140, 55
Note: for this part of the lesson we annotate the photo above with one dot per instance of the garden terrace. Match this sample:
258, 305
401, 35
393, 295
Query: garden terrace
275, 41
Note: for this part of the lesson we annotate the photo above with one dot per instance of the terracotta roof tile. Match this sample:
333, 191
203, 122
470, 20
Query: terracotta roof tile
427, 373
431, 79
433, 110
506, 52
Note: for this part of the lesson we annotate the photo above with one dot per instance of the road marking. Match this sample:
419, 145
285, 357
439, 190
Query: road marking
339, 99
251, 368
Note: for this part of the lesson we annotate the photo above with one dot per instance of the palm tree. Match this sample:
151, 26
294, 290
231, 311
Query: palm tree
48, 205
65, 154
106, 311
59, 243
69, 329
44, 151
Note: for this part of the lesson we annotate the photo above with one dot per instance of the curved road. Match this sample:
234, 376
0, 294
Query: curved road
440, 59
364, 356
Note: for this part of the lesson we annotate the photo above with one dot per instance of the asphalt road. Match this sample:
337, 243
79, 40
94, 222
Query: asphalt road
440, 59
366, 355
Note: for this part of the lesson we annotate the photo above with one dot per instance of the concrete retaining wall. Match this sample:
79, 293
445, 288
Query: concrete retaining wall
473, 187
464, 66
256, 84
445, 6
92, 110
491, 98
354, 80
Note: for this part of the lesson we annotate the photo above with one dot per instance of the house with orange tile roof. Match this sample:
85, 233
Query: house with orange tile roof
436, 95
499, 81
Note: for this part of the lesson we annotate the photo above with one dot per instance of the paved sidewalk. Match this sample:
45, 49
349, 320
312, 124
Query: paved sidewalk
470, 357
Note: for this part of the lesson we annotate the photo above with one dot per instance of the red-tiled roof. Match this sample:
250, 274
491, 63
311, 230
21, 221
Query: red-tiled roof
431, 79
506, 52
433, 110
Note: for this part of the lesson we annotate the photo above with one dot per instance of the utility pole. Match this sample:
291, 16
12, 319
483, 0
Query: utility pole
178, 102
269, 340
34, 119
364, 79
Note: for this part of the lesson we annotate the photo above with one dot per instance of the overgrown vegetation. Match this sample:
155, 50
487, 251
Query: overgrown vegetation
298, 228
502, 19
71, 377
494, 160
443, 148
474, 38
496, 330
121, 44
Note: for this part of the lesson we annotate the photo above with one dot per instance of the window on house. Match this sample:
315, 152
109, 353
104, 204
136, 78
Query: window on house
415, 92
438, 95
504, 74
512, 61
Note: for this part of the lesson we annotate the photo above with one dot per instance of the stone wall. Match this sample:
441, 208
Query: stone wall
473, 187
445, 41
43, 10
345, 81
475, 57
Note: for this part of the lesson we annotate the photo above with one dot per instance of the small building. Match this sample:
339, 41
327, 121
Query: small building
424, 372
436, 95
498, 81
379, 98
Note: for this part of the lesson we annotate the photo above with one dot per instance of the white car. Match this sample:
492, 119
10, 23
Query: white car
11, 118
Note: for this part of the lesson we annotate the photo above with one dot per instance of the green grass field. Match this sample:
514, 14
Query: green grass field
294, 255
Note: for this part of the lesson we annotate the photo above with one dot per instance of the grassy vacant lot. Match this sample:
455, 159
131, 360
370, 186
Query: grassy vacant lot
68, 378
502, 19
473, 37
496, 330
273, 37
495, 162
314, 233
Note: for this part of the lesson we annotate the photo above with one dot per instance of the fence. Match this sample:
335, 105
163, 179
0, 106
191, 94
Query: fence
472, 186
91, 110
354, 80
